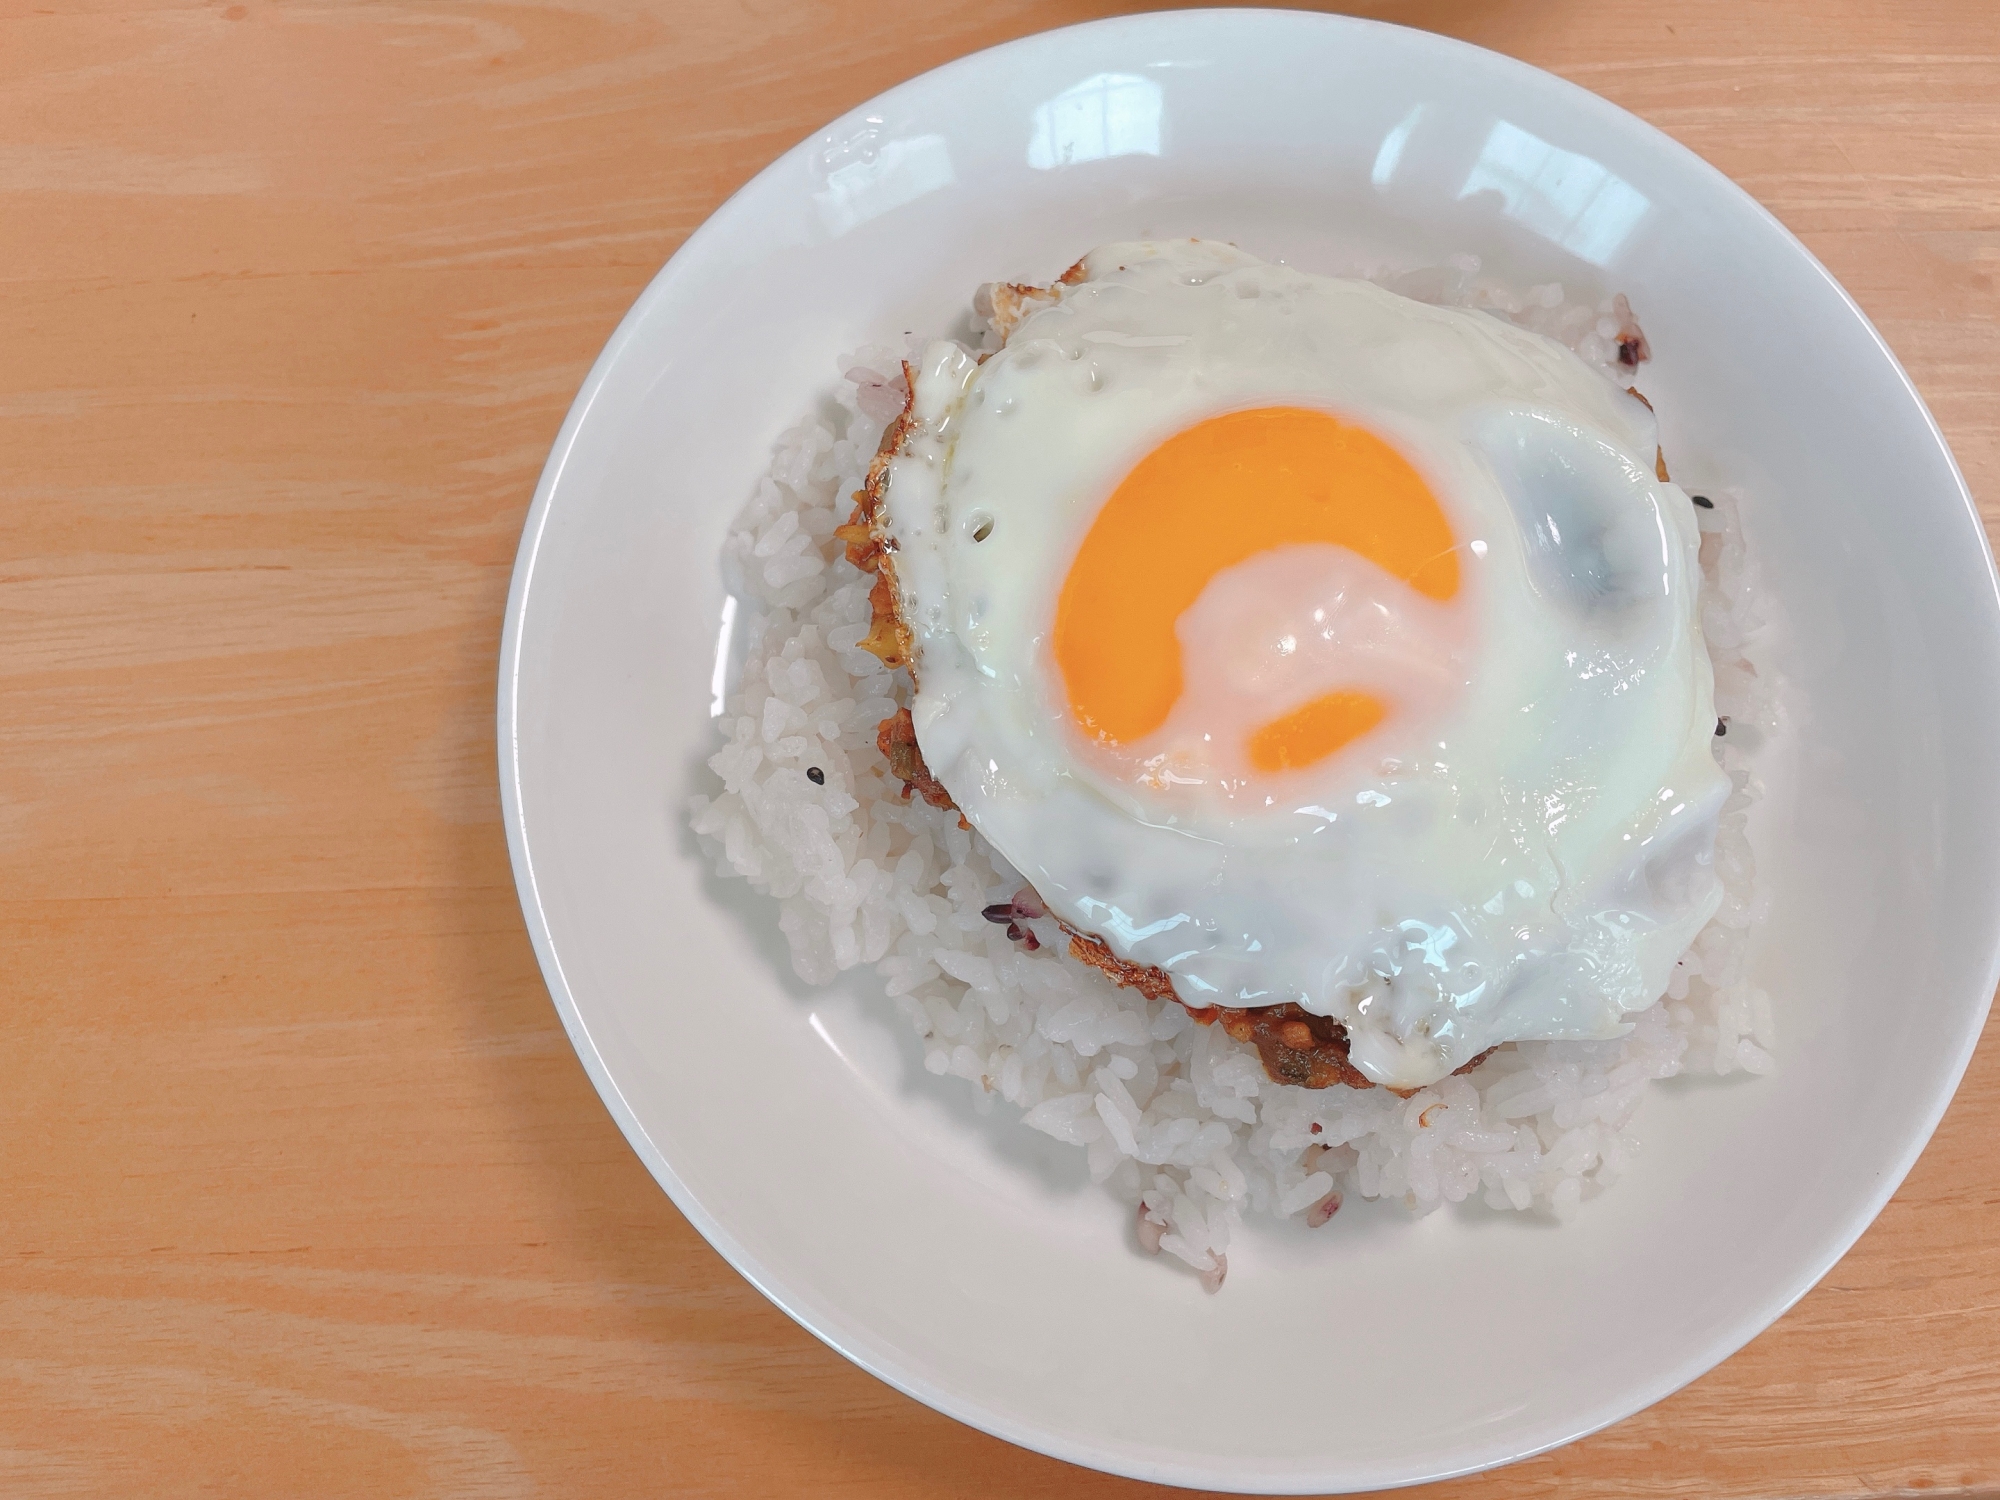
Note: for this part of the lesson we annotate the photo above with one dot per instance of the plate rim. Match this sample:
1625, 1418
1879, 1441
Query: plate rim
824, 1326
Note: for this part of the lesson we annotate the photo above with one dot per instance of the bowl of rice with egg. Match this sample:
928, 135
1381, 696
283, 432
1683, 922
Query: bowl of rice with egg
1234, 790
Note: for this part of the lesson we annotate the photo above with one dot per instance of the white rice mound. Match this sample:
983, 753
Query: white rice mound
1180, 1122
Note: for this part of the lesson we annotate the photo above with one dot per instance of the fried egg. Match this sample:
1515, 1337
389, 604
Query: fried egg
1312, 644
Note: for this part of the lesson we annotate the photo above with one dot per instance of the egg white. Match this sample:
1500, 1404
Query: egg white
1521, 850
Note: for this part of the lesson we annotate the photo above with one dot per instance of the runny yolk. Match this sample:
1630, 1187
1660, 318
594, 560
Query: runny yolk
1214, 495
1315, 731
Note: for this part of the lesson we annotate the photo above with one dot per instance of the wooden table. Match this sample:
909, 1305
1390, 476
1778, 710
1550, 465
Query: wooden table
303, 1191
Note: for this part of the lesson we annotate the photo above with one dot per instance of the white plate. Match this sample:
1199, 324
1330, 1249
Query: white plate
952, 1255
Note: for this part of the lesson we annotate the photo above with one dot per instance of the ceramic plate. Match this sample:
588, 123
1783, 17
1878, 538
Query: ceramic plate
966, 1260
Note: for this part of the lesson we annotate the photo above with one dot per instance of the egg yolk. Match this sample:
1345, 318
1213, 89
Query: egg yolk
1210, 497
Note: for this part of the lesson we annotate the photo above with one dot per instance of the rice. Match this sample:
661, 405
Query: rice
1177, 1120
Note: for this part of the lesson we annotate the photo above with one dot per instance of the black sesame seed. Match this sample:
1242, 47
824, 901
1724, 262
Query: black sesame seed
999, 912
1722, 726
1703, 501
815, 775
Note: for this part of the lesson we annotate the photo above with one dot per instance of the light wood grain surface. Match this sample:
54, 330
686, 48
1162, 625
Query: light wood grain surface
301, 1189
